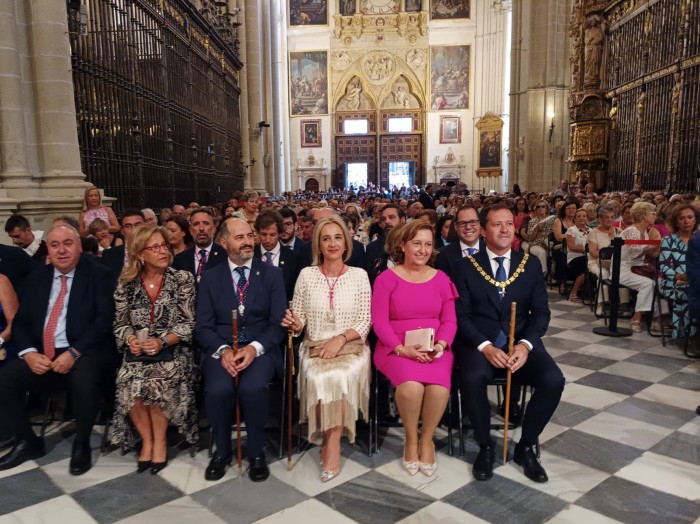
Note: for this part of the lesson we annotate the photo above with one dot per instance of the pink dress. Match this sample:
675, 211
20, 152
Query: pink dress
399, 306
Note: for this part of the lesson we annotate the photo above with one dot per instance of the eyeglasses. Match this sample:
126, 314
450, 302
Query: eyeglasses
155, 248
464, 224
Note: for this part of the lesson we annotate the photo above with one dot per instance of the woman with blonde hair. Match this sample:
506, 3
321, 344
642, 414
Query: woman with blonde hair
332, 300
92, 209
153, 326
99, 229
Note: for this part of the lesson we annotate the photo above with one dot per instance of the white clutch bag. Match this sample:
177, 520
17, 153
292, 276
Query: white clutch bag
423, 336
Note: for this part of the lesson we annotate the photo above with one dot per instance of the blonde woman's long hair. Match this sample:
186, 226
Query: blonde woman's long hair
135, 246
317, 256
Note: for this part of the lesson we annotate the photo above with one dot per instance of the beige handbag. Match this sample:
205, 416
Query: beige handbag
354, 347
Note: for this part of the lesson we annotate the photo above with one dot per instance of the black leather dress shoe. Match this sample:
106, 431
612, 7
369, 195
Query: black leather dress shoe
81, 459
515, 414
21, 452
483, 465
157, 466
7, 442
526, 457
258, 469
143, 465
216, 468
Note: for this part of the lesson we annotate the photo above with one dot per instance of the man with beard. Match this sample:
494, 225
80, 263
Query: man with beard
256, 291
390, 217
288, 236
270, 226
205, 254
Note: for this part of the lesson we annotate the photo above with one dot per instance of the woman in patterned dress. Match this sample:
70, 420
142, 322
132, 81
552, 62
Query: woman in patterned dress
92, 209
674, 280
154, 297
332, 300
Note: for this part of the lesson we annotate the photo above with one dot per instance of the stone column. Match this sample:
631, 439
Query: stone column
254, 38
281, 160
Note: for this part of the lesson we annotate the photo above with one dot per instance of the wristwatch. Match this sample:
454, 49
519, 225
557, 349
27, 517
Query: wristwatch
2, 342
219, 352
164, 341
73, 353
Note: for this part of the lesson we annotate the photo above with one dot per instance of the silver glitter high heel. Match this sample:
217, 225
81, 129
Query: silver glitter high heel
411, 466
428, 469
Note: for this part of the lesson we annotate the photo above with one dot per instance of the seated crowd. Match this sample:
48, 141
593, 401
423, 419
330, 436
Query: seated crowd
177, 315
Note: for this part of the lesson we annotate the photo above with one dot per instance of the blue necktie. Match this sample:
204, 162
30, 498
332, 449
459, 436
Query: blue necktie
268, 257
471, 251
501, 339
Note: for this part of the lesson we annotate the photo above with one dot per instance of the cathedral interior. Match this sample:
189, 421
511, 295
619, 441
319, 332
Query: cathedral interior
159, 102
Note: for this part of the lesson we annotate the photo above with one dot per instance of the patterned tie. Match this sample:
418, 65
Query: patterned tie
241, 292
268, 257
202, 261
50, 329
501, 339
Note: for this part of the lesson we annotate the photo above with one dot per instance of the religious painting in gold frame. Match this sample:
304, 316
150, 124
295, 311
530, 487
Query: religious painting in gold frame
450, 129
490, 135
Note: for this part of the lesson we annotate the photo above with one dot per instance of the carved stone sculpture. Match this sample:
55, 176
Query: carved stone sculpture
593, 51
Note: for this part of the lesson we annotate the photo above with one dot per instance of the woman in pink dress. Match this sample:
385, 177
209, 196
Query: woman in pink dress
92, 209
414, 295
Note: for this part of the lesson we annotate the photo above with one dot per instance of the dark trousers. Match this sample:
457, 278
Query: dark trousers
86, 387
540, 371
254, 391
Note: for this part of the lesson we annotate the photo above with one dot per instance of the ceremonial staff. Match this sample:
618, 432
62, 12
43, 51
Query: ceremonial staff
290, 381
239, 448
511, 339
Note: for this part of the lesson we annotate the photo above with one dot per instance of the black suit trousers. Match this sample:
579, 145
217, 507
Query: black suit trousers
540, 371
86, 390
254, 391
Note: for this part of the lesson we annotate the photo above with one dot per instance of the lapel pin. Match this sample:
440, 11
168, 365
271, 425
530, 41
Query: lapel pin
216, 253
281, 262
257, 273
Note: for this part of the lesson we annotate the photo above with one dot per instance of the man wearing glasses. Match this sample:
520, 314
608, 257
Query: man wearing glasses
288, 236
449, 258
115, 257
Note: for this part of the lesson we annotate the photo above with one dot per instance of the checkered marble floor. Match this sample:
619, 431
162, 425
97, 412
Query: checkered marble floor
623, 446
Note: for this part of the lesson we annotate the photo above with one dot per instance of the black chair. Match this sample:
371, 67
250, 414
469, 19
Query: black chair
605, 254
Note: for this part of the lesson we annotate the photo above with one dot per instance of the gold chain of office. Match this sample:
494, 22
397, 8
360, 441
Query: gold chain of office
502, 285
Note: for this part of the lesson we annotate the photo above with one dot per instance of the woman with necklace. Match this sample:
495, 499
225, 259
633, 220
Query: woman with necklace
153, 326
576, 240
674, 279
599, 238
413, 295
332, 300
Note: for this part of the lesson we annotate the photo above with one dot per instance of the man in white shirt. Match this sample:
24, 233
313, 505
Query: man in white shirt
449, 258
269, 226
20, 231
206, 253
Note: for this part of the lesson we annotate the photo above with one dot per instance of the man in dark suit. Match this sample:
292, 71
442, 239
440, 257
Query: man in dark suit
426, 197
288, 236
488, 283
357, 258
256, 291
269, 226
63, 330
205, 254
466, 224
16, 265
390, 217
115, 257
692, 270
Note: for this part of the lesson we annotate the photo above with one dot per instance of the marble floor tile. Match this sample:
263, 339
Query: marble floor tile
667, 363
187, 473
125, 496
614, 383
451, 474
374, 498
440, 512
573, 373
574, 358
636, 371
554, 352
605, 351
104, 468
579, 336
561, 343
591, 450
563, 323
683, 380
305, 473
569, 415
246, 500
680, 446
663, 473
60, 509
652, 412
635, 433
181, 511
557, 312
309, 512
590, 397
631, 502
693, 368
550, 431
568, 480
505, 501
577, 515
26, 466
692, 427
25, 489
681, 398
633, 343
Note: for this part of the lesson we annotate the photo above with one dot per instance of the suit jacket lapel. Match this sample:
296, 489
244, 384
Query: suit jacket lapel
492, 291
77, 292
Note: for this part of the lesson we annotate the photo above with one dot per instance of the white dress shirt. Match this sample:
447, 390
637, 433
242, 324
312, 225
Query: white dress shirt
275, 254
464, 247
196, 256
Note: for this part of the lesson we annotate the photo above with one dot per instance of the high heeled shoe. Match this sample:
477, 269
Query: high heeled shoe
426, 468
158, 466
329, 474
143, 465
411, 466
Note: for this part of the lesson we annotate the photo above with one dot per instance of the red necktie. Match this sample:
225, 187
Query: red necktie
50, 330
202, 261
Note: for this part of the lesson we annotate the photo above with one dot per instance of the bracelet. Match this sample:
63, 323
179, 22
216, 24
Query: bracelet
345, 339
129, 340
397, 350
442, 348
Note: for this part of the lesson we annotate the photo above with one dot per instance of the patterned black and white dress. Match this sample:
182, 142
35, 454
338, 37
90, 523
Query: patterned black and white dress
169, 385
